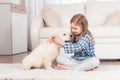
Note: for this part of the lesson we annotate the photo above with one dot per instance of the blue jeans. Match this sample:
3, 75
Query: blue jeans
86, 64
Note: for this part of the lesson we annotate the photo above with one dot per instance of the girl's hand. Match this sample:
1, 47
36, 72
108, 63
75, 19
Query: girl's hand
58, 41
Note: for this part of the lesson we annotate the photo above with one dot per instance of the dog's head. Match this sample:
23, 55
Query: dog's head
63, 35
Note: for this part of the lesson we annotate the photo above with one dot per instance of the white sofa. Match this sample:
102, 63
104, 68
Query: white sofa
105, 30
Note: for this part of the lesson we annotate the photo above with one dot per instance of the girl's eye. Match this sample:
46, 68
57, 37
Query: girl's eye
75, 28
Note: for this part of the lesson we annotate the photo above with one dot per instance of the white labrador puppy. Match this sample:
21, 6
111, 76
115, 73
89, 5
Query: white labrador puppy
44, 54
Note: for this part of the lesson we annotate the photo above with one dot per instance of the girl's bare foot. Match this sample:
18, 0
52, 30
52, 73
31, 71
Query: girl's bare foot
63, 67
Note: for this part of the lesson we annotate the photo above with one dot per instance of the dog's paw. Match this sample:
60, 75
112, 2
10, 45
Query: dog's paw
26, 67
50, 68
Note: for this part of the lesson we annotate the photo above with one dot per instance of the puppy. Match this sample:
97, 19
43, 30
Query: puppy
44, 54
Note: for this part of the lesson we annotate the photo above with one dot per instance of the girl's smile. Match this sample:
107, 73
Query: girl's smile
76, 29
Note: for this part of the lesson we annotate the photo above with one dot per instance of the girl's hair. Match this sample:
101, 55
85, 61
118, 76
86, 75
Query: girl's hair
80, 19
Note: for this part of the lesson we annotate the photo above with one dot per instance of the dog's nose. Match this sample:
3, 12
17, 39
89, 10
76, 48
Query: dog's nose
67, 40
64, 34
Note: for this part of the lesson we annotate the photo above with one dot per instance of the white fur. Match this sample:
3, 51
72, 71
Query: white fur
44, 54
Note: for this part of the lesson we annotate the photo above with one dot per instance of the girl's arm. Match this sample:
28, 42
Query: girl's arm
75, 47
58, 41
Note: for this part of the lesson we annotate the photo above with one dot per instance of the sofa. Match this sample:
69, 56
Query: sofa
103, 18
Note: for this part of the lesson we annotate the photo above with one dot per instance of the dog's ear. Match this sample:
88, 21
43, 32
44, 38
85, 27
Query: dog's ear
51, 39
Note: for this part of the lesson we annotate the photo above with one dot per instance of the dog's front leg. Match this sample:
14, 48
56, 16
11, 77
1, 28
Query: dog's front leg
48, 63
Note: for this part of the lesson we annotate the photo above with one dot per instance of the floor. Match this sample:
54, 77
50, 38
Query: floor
18, 58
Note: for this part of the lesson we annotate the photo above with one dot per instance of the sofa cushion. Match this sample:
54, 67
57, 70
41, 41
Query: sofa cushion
51, 18
66, 11
49, 31
105, 31
107, 51
113, 19
98, 11
98, 32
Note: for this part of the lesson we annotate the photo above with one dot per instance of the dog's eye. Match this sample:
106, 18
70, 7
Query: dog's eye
64, 34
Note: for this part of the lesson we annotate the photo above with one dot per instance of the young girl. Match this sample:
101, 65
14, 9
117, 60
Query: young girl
81, 46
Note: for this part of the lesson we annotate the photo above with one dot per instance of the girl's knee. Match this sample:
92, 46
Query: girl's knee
60, 59
97, 61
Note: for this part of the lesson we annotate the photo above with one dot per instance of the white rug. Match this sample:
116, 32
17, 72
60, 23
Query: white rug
15, 72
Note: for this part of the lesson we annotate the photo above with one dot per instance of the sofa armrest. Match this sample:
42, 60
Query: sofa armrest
36, 25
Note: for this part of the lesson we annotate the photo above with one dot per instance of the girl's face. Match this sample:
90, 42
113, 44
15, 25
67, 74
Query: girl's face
76, 29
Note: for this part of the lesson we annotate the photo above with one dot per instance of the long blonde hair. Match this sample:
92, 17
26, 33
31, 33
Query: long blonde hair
79, 19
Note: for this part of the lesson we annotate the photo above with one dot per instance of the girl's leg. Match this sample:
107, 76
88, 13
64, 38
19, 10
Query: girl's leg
65, 60
87, 64
65, 63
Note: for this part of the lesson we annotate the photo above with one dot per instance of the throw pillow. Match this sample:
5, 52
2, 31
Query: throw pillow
113, 19
51, 18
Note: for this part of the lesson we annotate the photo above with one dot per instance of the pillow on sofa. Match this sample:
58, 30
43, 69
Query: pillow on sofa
66, 11
113, 19
50, 17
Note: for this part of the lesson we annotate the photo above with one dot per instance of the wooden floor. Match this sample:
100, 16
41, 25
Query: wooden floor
18, 58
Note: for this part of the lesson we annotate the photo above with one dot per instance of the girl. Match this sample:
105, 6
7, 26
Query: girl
81, 46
